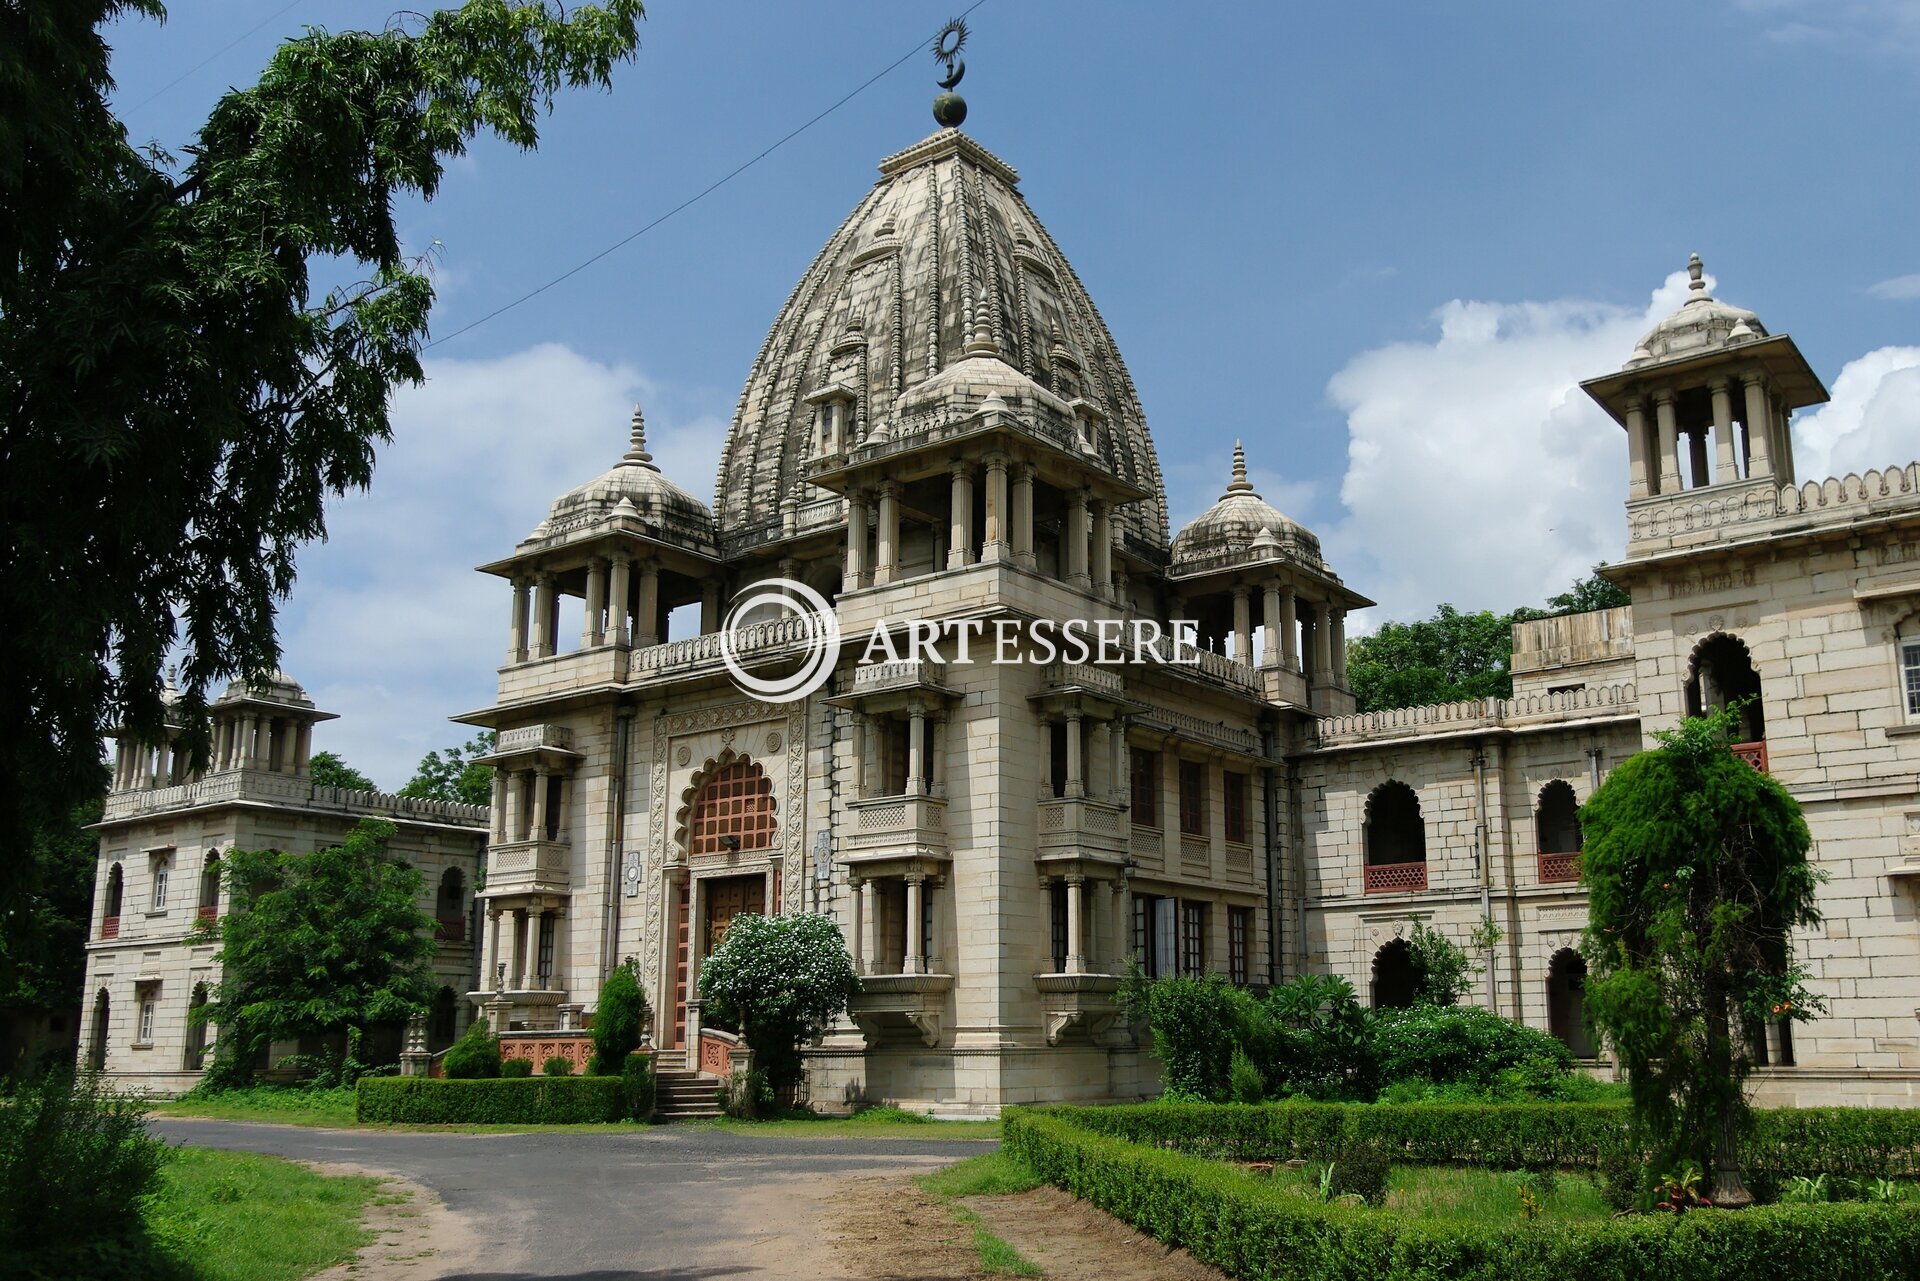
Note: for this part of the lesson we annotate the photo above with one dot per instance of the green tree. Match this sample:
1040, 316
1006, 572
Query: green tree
43, 962
1589, 593
329, 944
1696, 871
455, 775
1443, 973
1443, 659
618, 1019
178, 397
781, 980
328, 770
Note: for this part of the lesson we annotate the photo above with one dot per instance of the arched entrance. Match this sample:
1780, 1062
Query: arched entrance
1396, 980
97, 1038
1396, 840
1720, 674
1567, 1002
730, 820
196, 1055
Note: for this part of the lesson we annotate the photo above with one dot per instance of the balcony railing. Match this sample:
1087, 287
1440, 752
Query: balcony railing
1754, 754
1396, 878
1563, 866
906, 824
450, 930
110, 927
1078, 826
207, 913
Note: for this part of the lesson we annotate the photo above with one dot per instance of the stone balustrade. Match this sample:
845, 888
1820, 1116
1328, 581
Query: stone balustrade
1612, 701
248, 785
906, 825
1082, 827
522, 867
531, 738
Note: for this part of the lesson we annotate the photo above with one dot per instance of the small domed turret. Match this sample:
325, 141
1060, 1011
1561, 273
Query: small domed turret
1242, 521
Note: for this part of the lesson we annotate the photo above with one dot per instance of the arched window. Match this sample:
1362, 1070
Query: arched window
196, 1057
97, 1041
1396, 840
1907, 653
1395, 979
116, 891
1722, 673
1556, 825
733, 811
1567, 1002
209, 905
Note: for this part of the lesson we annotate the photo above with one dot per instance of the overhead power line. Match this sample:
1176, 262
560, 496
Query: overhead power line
698, 196
208, 60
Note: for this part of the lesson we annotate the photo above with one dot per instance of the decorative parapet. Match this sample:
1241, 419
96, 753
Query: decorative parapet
1613, 701
259, 787
1569, 639
1664, 517
751, 644
531, 738
528, 867
905, 673
904, 826
1232, 738
1895, 486
1081, 827
1087, 676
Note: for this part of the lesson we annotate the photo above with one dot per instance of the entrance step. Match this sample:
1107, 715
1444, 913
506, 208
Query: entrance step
681, 1096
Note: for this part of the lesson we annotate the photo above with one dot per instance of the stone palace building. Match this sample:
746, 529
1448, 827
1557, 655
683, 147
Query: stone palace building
939, 427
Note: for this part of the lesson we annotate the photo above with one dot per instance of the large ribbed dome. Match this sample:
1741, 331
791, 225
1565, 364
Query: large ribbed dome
942, 256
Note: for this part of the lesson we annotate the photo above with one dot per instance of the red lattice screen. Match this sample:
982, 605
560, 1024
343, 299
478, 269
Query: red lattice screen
1393, 878
737, 801
110, 927
1560, 867
1754, 754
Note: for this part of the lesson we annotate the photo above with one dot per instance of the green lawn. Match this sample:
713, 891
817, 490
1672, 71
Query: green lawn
237, 1216
266, 1103
989, 1174
873, 1123
1481, 1196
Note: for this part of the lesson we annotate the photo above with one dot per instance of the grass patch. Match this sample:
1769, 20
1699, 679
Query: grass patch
989, 1174
872, 1123
1463, 1194
238, 1216
997, 1258
278, 1104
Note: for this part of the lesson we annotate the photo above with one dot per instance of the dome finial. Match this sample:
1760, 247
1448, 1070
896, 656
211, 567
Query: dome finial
1240, 484
950, 109
1696, 277
637, 450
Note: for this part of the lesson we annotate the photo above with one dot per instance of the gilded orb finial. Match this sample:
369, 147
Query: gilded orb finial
950, 109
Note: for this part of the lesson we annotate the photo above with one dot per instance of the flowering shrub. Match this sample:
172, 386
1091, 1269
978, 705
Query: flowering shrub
780, 980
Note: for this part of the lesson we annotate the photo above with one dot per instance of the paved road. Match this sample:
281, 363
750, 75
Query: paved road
670, 1203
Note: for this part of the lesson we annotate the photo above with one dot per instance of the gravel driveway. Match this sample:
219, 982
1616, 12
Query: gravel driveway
671, 1203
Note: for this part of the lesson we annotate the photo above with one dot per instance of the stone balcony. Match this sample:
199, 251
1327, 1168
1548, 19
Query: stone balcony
1089, 1002
898, 676
919, 999
905, 826
251, 787
528, 867
1077, 827
533, 738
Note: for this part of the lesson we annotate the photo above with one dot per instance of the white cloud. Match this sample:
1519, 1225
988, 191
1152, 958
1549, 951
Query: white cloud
1897, 289
1873, 420
389, 625
1879, 27
1477, 470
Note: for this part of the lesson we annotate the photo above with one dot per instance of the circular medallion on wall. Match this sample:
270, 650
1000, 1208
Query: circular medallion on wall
684, 756
774, 741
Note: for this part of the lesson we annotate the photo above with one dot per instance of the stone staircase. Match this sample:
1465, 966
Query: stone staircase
681, 1095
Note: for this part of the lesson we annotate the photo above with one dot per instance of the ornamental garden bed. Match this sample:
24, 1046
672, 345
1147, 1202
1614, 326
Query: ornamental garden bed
1197, 1176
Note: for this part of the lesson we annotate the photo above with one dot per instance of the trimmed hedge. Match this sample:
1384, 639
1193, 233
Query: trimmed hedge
533, 1100
1251, 1229
1845, 1142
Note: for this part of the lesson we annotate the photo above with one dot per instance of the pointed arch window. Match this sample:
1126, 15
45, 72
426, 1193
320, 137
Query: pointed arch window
1556, 824
1720, 675
1396, 840
733, 811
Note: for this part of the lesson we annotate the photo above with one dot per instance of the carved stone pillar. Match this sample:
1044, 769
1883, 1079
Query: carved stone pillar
1289, 628
886, 547
854, 576
619, 602
1759, 425
915, 960
646, 608
517, 624
1021, 519
960, 540
1639, 482
592, 623
994, 543
1076, 925
1078, 536
1663, 414
1076, 768
1102, 551
1725, 468
545, 605
1242, 627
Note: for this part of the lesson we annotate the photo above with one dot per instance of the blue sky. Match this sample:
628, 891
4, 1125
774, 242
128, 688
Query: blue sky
1378, 241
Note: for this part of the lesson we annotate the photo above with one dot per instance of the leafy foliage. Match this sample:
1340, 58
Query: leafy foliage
1696, 872
1247, 1226
522, 1100
455, 775
164, 356
475, 1056
1462, 1045
516, 1067
43, 961
1589, 593
76, 1154
637, 1088
1197, 1023
557, 1066
618, 1019
324, 944
1443, 973
781, 980
1321, 1040
328, 770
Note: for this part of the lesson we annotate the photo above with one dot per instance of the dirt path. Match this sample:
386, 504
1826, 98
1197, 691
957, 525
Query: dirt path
887, 1229
415, 1236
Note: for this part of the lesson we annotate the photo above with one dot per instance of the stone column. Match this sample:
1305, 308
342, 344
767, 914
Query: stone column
869, 927
1289, 628
1669, 442
1242, 627
709, 607
1270, 625
1697, 459
936, 753
256, 741
491, 970
994, 545
646, 607
1118, 781
517, 625
544, 605
886, 547
1076, 775
1322, 642
522, 948
856, 566
1102, 567
916, 751
1638, 482
1725, 468
1076, 926
1022, 517
538, 830
592, 626
960, 539
497, 813
915, 959
303, 748
619, 602
1077, 538
1759, 425
1119, 942
1339, 647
